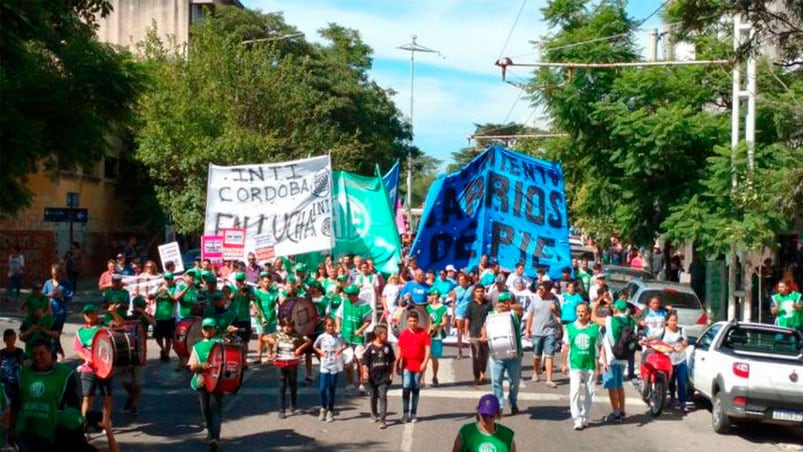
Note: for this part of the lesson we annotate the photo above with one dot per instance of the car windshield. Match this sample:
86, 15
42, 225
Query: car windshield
766, 341
678, 300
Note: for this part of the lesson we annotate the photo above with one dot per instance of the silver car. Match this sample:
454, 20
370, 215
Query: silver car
691, 313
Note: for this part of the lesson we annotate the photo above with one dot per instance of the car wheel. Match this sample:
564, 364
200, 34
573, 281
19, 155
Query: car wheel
719, 420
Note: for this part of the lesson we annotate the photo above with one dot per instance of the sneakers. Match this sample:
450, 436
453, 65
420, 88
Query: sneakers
322, 414
578, 425
435, 382
292, 410
373, 418
514, 409
383, 425
362, 389
413, 419
330, 416
281, 414
585, 422
405, 418
551, 384
534, 379
213, 445
614, 417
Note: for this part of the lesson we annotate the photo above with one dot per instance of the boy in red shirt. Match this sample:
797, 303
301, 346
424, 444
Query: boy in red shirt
414, 354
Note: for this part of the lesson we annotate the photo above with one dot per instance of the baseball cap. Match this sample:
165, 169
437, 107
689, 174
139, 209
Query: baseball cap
450, 268
292, 278
601, 275
264, 275
343, 278
488, 405
351, 290
209, 277
300, 267
504, 296
239, 276
434, 291
168, 275
117, 277
620, 305
209, 321
315, 284
89, 308
139, 301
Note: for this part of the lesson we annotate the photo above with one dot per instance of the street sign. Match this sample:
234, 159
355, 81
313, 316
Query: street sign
63, 214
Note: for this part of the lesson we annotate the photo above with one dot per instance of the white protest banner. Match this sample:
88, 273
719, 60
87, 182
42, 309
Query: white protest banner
142, 284
264, 248
290, 202
233, 244
170, 252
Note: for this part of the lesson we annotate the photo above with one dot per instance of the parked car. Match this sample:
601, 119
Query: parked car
749, 372
617, 276
691, 314
189, 256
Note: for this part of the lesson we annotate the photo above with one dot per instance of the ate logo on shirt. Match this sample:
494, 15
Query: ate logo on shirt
36, 389
486, 447
582, 342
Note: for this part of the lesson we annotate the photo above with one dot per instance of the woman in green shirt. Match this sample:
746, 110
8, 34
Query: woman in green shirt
485, 434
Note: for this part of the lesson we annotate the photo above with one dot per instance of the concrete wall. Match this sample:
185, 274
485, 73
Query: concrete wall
127, 25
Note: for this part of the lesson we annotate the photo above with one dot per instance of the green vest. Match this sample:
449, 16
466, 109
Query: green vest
85, 335
40, 398
201, 351
473, 440
582, 346
353, 318
436, 314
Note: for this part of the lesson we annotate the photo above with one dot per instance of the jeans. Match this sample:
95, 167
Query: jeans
289, 376
411, 385
212, 412
513, 368
680, 375
379, 399
327, 383
479, 357
580, 380
14, 282
58, 325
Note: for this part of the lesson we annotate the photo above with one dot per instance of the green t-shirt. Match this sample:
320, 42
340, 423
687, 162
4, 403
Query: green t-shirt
266, 299
40, 397
116, 296
788, 316
35, 300
473, 440
352, 319
165, 304
582, 346
201, 353
223, 319
334, 304
187, 301
46, 321
241, 303
436, 314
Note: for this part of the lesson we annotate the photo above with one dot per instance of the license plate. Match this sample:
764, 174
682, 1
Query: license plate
787, 415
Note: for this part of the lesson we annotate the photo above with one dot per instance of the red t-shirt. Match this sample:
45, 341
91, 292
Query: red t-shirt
412, 347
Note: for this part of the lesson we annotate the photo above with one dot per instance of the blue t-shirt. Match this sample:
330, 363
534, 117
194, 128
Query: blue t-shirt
58, 304
444, 286
416, 290
655, 322
568, 309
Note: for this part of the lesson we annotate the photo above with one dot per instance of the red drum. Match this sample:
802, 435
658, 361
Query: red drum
303, 313
225, 372
112, 349
188, 333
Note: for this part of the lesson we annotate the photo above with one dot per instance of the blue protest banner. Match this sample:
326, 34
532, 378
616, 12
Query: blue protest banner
507, 205
391, 180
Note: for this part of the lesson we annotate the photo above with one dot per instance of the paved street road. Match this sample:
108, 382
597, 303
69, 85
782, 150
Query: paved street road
170, 420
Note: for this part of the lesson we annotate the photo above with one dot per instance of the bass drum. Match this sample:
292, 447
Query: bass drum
112, 349
140, 334
188, 333
398, 321
225, 372
501, 335
303, 312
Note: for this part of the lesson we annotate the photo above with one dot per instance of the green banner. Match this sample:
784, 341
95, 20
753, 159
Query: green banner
364, 225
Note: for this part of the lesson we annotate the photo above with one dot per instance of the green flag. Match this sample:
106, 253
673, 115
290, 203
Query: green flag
363, 222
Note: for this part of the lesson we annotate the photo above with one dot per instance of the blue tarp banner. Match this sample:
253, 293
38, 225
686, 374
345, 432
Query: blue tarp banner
507, 205
391, 180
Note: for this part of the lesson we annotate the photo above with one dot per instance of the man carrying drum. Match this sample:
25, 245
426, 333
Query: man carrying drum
211, 403
116, 297
507, 320
352, 319
223, 316
186, 296
90, 383
133, 377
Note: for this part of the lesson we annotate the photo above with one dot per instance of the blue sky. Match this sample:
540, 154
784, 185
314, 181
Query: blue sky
464, 87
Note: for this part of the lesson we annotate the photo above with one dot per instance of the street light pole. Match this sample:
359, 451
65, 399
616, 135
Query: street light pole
412, 47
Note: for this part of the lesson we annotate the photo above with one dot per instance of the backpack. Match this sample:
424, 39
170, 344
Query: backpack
625, 345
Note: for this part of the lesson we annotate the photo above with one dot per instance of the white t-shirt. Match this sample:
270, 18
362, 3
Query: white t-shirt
675, 339
391, 295
330, 344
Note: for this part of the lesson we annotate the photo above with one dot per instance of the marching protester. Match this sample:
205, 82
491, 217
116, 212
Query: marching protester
415, 291
378, 362
329, 347
38, 325
437, 314
186, 296
287, 348
463, 295
133, 377
504, 321
241, 301
543, 327
485, 434
613, 367
579, 361
266, 296
353, 318
164, 316
414, 352
60, 293
211, 402
477, 313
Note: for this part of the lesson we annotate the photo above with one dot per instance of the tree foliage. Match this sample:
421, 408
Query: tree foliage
62, 91
247, 94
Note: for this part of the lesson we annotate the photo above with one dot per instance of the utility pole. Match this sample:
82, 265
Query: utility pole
412, 47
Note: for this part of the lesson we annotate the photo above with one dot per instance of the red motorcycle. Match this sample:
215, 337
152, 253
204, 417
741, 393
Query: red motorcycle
656, 371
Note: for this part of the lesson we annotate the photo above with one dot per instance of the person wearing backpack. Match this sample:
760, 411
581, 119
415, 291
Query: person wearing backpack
619, 341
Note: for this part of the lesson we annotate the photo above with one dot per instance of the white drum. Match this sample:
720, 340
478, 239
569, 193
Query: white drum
501, 335
347, 356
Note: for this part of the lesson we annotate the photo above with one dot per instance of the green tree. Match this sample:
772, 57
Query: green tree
425, 171
246, 94
62, 91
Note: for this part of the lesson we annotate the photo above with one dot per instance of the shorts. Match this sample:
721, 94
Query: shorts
436, 348
245, 326
614, 377
91, 384
544, 345
270, 328
164, 329
460, 311
134, 375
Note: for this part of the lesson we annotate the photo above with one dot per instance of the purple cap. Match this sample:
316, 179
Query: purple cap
488, 406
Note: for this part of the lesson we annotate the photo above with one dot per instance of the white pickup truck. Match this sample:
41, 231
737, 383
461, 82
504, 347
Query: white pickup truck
749, 372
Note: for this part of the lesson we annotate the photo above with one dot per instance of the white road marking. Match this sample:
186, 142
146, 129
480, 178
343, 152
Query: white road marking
407, 438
